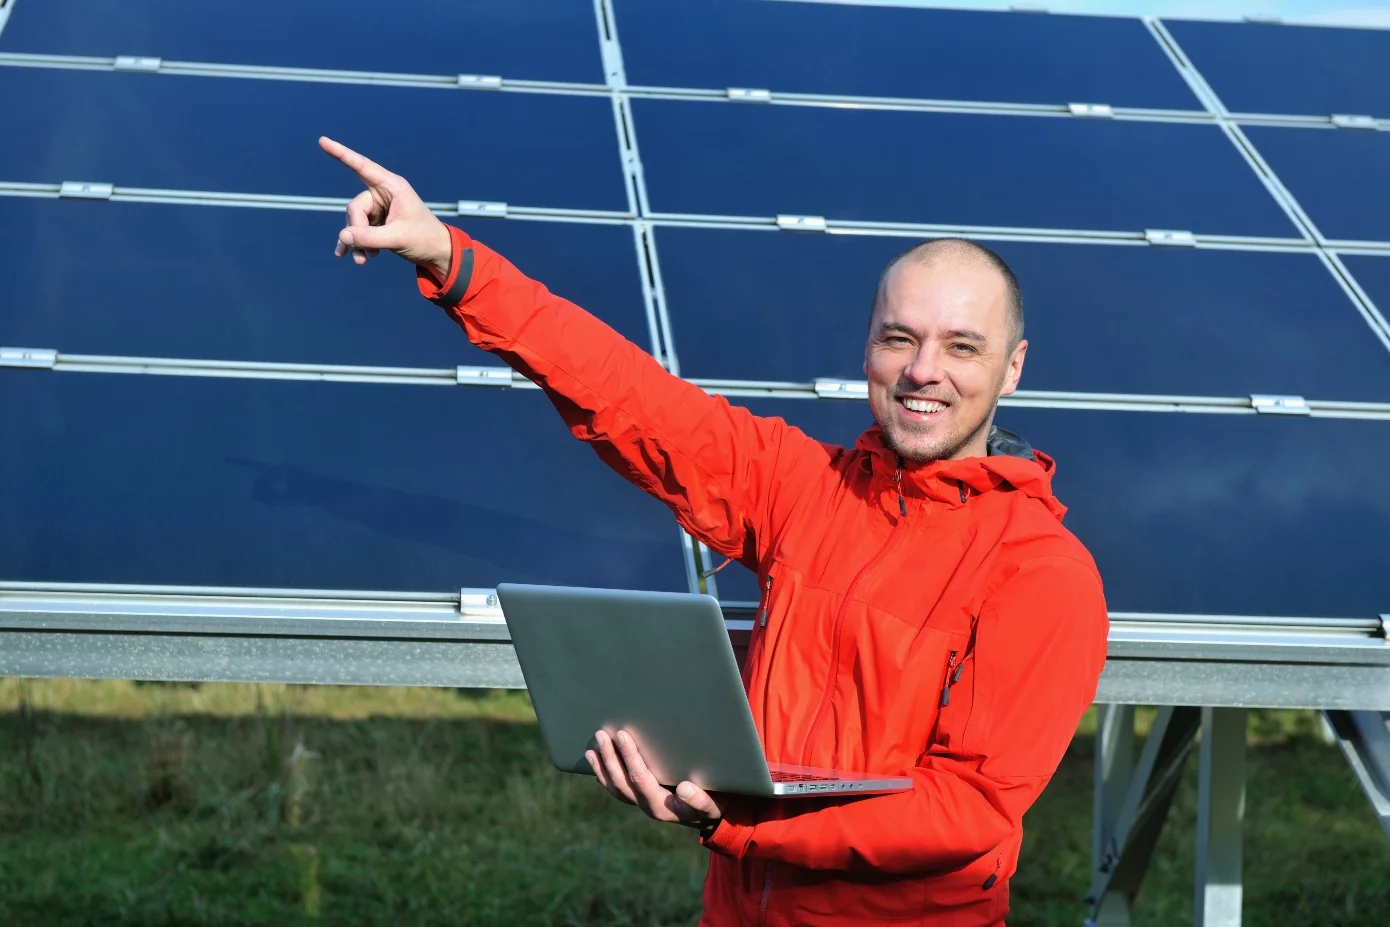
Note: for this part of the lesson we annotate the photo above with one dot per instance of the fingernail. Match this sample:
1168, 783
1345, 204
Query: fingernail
685, 790
622, 738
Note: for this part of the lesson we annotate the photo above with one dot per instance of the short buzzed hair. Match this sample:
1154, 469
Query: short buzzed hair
929, 251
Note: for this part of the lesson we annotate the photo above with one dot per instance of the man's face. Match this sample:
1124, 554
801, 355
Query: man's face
938, 357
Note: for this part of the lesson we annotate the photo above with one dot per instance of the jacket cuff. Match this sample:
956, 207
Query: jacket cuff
453, 289
729, 839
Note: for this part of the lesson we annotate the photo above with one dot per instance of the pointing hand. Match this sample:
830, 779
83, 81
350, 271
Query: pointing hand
389, 215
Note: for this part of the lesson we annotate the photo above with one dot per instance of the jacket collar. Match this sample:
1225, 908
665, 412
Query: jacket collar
1012, 464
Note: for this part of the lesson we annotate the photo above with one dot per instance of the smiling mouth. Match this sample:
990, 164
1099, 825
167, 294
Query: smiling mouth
922, 406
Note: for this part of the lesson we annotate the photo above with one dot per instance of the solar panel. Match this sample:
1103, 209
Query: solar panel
550, 40
259, 284
1277, 68
1205, 514
948, 168
895, 52
259, 136
1337, 175
1174, 321
654, 200
162, 480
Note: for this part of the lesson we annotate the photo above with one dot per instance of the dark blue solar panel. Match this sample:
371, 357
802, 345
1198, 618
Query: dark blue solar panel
140, 479
532, 39
881, 51
1373, 273
1257, 68
1338, 176
261, 284
948, 168
259, 136
1186, 513
785, 306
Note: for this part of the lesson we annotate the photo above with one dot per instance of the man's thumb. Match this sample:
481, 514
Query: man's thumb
364, 237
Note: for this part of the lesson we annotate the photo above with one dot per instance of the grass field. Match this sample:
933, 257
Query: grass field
237, 804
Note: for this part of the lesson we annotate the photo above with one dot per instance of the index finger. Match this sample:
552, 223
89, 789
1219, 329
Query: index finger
364, 167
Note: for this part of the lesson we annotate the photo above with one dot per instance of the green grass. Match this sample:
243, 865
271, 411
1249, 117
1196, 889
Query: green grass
238, 804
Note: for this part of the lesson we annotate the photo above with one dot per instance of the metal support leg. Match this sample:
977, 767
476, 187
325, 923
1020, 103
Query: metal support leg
1364, 737
1127, 843
1220, 816
1114, 771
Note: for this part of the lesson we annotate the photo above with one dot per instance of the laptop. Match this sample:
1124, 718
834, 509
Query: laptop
660, 666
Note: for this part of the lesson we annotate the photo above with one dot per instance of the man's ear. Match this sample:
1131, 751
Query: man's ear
1015, 369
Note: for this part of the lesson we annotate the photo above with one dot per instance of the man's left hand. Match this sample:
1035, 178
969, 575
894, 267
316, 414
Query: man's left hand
622, 771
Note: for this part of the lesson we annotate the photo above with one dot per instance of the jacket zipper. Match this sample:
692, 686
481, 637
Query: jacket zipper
840, 618
951, 677
759, 628
767, 895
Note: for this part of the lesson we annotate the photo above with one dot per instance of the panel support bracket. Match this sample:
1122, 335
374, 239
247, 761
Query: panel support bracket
1137, 800
81, 189
1279, 405
842, 389
38, 358
801, 223
480, 209
483, 376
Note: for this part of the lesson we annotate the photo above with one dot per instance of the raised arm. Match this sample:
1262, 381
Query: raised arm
724, 472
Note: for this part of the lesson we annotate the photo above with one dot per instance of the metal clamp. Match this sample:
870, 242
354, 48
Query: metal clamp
748, 95
480, 81
483, 376
1092, 110
1279, 405
841, 389
81, 189
1354, 121
137, 63
801, 223
1172, 237
40, 358
480, 209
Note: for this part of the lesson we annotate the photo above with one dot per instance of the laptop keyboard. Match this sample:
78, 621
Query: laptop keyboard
801, 777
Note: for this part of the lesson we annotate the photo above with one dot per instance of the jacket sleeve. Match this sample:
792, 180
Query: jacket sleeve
1039, 649
718, 467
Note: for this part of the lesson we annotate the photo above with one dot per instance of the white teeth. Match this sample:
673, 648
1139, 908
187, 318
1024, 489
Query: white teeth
923, 405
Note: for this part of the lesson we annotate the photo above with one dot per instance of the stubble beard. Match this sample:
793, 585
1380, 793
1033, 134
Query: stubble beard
943, 448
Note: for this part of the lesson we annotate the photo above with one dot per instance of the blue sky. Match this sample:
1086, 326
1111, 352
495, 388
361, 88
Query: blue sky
1324, 12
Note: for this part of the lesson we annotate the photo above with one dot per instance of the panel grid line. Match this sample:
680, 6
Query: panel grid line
776, 98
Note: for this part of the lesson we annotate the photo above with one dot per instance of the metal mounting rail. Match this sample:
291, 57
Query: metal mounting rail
460, 639
497, 376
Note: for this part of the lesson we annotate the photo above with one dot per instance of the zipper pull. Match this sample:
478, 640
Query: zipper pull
898, 483
767, 604
951, 677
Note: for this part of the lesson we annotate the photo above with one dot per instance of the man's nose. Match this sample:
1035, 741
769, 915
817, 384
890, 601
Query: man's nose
925, 368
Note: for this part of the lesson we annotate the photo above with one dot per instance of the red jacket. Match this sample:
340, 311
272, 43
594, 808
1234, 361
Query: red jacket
959, 643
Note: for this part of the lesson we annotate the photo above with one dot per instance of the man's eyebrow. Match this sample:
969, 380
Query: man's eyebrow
886, 327
966, 334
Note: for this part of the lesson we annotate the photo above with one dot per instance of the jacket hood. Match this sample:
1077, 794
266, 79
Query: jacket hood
1012, 463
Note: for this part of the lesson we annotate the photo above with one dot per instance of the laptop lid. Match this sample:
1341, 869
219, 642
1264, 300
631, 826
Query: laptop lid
656, 664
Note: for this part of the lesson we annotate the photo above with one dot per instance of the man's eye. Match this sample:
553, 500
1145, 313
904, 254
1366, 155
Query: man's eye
895, 339
963, 348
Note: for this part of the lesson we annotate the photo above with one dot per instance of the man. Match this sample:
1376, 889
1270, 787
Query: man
923, 610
